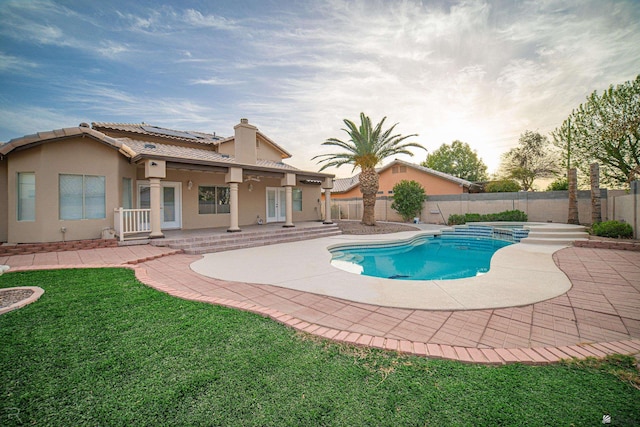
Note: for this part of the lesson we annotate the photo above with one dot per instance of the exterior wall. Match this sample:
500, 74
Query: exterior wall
627, 208
4, 226
266, 151
252, 204
433, 185
75, 156
548, 206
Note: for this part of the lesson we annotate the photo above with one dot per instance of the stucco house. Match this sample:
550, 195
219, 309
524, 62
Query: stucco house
76, 183
434, 182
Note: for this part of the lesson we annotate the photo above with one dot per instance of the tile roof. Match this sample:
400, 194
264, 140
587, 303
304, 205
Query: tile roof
58, 134
147, 129
175, 152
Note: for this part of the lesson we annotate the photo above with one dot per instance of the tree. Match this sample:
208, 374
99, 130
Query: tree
366, 148
530, 160
502, 186
560, 184
605, 129
408, 198
457, 159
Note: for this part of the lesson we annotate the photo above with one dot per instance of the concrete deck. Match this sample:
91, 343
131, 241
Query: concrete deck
598, 315
305, 266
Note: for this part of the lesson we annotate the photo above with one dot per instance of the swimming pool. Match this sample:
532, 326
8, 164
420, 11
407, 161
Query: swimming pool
423, 258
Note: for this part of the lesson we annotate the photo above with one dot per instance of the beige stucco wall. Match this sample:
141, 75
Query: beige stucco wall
266, 151
251, 203
73, 156
3, 201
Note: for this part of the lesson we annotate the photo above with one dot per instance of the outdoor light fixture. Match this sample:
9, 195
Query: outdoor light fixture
250, 186
189, 185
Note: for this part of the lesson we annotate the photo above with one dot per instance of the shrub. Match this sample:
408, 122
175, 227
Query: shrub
408, 197
560, 184
514, 215
615, 229
502, 186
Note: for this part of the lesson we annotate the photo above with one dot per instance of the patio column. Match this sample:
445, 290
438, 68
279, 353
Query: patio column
327, 186
154, 195
233, 177
288, 183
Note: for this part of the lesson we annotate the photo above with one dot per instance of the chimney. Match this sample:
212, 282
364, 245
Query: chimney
245, 142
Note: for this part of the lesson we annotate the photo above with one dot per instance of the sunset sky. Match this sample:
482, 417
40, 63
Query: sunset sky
482, 72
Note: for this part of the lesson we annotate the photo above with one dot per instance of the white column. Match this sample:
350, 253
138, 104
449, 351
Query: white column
233, 201
154, 195
327, 206
289, 207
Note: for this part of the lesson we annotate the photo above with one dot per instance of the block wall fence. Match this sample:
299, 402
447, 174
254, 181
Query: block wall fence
543, 206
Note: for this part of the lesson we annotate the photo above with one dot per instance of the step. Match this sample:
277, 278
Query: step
247, 243
254, 240
552, 241
553, 235
245, 235
556, 228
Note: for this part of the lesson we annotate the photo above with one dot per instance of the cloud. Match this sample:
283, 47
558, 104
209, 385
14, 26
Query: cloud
10, 63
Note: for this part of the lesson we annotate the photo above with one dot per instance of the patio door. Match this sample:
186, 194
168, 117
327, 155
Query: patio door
276, 204
170, 203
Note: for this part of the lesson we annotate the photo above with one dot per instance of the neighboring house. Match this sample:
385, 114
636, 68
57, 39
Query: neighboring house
433, 182
69, 184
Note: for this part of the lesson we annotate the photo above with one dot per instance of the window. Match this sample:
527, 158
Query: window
398, 169
26, 196
297, 199
82, 197
213, 200
127, 193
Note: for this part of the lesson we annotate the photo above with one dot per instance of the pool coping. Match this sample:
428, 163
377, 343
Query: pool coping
520, 274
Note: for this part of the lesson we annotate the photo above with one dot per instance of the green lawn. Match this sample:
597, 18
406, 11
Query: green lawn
99, 348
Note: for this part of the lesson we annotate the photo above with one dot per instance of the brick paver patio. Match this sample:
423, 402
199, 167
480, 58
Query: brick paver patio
599, 315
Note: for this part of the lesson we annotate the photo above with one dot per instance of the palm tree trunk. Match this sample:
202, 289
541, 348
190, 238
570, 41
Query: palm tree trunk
369, 184
573, 196
596, 205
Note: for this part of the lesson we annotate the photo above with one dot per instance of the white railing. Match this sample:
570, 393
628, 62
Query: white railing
131, 221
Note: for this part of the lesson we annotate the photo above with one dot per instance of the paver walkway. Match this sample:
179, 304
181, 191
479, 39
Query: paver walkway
599, 315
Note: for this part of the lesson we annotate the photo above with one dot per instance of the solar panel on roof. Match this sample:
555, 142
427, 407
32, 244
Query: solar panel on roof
169, 132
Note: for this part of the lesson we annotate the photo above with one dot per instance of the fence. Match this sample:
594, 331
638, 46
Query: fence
544, 206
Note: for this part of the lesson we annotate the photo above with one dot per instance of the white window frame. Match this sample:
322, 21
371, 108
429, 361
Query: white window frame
83, 216
23, 199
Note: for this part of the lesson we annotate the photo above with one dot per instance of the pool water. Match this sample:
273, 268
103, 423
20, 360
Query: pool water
425, 258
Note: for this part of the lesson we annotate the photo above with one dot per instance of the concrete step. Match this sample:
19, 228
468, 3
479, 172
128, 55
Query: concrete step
551, 241
556, 228
208, 243
212, 247
554, 235
221, 238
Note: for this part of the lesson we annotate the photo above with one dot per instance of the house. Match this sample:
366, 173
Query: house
76, 183
434, 182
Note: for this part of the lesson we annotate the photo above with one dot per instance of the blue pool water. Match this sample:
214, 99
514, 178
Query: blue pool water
425, 258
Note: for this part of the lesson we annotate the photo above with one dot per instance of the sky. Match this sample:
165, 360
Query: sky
482, 72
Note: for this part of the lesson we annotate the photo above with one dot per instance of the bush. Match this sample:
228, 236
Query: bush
514, 215
614, 229
560, 184
502, 186
408, 197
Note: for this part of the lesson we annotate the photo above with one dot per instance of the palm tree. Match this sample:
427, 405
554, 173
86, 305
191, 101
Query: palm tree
366, 148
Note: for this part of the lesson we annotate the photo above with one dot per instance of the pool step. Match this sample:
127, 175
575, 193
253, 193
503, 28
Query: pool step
556, 235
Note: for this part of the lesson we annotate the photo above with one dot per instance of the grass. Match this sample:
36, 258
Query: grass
99, 348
